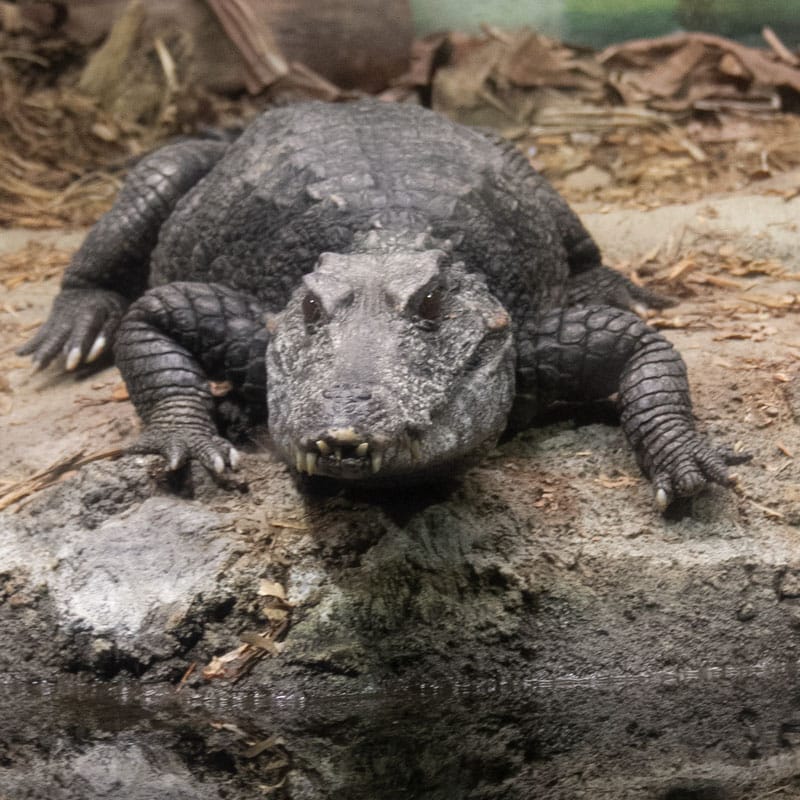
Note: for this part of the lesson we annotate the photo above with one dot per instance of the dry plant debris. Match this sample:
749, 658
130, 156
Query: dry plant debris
639, 124
687, 114
14, 492
63, 150
237, 663
34, 262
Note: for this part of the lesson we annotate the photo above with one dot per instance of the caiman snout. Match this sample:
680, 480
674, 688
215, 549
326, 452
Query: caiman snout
349, 401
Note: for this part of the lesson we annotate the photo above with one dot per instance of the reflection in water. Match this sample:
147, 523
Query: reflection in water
703, 734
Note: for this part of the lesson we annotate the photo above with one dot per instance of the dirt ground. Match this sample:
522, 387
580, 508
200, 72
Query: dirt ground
541, 627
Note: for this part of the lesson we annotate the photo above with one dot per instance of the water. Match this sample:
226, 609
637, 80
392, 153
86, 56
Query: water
600, 22
704, 733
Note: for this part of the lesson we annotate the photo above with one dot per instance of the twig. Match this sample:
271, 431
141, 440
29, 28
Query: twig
47, 477
778, 47
191, 668
772, 792
770, 512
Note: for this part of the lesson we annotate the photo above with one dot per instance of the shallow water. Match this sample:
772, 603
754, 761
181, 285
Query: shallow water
702, 733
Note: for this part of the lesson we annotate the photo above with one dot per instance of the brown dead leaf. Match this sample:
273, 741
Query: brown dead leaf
260, 642
227, 665
699, 70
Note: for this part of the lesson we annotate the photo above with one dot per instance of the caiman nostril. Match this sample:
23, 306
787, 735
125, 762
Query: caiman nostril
344, 392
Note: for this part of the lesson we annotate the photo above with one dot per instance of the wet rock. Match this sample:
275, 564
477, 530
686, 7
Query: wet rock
119, 570
789, 584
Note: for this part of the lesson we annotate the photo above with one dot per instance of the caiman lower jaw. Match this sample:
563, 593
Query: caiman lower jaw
345, 454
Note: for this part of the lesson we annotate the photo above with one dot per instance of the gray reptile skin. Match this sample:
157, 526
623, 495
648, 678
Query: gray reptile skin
381, 282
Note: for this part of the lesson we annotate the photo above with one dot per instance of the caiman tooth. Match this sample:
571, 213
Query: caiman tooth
362, 449
344, 435
323, 447
338, 453
377, 460
311, 462
415, 448
299, 460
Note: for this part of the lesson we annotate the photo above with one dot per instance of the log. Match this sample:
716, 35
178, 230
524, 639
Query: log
355, 44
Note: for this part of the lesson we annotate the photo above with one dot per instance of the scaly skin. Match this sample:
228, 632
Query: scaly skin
415, 271
172, 341
111, 267
591, 352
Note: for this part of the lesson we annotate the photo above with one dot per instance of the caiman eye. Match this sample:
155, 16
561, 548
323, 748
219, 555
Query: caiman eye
430, 306
312, 310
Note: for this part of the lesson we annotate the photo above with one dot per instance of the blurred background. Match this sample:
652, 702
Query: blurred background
616, 101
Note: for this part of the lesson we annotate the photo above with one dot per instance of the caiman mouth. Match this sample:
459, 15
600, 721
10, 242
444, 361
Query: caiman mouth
347, 454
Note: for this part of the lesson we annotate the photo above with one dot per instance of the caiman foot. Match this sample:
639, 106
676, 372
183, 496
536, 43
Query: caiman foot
179, 444
81, 324
688, 464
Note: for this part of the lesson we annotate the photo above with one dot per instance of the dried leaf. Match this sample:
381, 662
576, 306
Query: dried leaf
274, 614
267, 588
260, 641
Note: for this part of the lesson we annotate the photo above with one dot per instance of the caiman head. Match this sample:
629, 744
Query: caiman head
389, 363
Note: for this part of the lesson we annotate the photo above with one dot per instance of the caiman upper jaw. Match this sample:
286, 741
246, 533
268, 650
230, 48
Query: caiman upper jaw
345, 453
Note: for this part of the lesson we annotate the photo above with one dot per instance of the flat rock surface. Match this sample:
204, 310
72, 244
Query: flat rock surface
547, 560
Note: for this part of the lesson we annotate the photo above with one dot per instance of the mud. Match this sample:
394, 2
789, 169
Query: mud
438, 637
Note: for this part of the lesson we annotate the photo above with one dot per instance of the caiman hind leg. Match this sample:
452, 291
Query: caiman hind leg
604, 286
589, 281
593, 352
111, 267
172, 341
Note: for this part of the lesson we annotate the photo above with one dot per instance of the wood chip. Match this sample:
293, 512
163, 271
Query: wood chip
682, 268
119, 394
267, 588
768, 301
274, 614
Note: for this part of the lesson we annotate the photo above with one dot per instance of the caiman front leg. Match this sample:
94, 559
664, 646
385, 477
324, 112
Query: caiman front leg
172, 341
591, 353
111, 267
